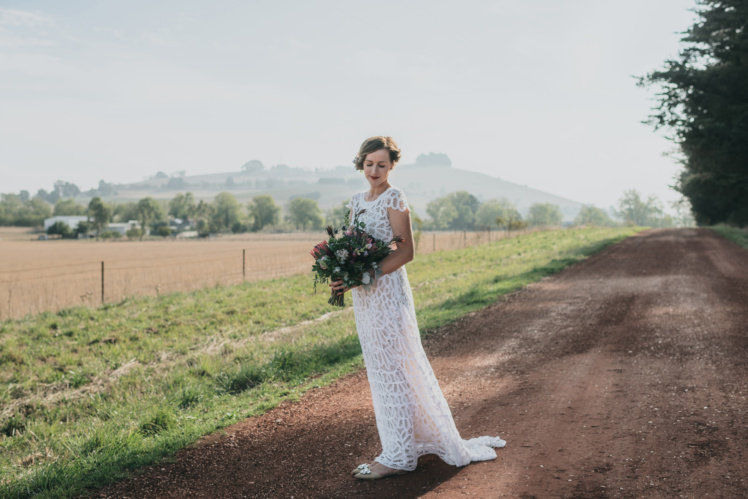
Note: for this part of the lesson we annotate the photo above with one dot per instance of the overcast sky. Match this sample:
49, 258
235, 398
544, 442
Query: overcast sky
538, 92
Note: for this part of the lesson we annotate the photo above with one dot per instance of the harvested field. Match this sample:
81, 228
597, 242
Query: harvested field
16, 234
37, 276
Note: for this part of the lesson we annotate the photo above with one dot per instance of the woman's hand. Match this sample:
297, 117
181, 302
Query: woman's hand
339, 287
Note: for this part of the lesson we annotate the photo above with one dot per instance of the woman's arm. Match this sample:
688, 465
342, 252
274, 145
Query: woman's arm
401, 226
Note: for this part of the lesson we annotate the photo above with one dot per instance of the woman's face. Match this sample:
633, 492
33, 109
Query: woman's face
377, 167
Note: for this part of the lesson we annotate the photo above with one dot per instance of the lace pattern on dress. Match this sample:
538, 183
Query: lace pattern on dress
412, 415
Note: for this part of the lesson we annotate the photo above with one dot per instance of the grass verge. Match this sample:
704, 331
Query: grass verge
739, 236
88, 395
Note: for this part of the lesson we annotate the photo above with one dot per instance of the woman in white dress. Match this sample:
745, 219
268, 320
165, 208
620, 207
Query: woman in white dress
412, 416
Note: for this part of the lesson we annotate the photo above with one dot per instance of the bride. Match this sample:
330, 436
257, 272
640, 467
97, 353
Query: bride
412, 415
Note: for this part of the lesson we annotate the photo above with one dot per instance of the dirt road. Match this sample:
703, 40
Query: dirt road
624, 376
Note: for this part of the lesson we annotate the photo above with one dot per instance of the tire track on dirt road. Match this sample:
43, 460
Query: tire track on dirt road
624, 376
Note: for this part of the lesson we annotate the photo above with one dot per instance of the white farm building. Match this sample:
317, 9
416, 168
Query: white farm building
72, 221
122, 228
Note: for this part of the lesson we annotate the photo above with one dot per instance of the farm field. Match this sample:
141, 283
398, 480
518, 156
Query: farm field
16, 234
87, 394
37, 276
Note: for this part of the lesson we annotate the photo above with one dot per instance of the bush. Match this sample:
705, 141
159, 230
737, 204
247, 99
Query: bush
62, 229
163, 231
239, 228
83, 228
134, 233
110, 234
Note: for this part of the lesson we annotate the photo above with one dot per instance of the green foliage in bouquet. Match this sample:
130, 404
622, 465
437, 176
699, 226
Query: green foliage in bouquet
351, 257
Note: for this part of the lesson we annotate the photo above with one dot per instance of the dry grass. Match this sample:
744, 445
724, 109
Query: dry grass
38, 276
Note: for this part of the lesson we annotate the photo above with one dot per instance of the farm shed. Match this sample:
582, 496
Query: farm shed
122, 228
72, 221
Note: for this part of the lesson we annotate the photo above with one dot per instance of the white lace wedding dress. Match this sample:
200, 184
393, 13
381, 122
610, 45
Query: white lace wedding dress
412, 415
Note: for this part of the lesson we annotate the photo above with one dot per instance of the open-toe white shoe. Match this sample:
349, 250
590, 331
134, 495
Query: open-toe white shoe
365, 473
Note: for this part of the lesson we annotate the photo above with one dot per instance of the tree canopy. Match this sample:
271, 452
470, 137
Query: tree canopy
544, 215
493, 210
633, 210
305, 211
455, 211
15, 212
263, 211
148, 211
68, 207
703, 99
227, 215
592, 215
183, 206
99, 214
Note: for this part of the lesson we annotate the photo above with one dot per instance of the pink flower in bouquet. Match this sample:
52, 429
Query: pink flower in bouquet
319, 250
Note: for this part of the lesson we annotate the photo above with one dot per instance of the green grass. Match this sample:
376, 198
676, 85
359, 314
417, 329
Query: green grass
739, 236
88, 395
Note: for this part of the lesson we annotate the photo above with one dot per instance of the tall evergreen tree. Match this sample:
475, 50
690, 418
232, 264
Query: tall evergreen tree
704, 100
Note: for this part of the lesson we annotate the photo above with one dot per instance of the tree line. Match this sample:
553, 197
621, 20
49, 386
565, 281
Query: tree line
225, 214
463, 211
703, 99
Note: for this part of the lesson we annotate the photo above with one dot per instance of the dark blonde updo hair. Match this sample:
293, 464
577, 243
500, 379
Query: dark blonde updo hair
374, 144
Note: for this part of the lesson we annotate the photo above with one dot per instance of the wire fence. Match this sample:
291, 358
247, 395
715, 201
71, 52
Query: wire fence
38, 276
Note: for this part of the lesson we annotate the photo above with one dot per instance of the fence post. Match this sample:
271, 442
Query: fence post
244, 264
489, 233
102, 282
434, 241
464, 239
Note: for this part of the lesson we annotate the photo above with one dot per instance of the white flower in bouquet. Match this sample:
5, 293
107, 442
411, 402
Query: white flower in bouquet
342, 254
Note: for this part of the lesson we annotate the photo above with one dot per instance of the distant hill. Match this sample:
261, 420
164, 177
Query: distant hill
420, 182
421, 185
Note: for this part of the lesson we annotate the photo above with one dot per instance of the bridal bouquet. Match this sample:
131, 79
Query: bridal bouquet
349, 257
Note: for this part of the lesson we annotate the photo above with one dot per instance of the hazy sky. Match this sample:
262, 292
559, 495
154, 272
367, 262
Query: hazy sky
538, 92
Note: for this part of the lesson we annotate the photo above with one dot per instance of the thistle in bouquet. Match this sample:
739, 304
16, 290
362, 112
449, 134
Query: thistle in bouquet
349, 254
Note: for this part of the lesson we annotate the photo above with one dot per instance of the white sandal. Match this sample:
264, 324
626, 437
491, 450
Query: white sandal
359, 468
365, 473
